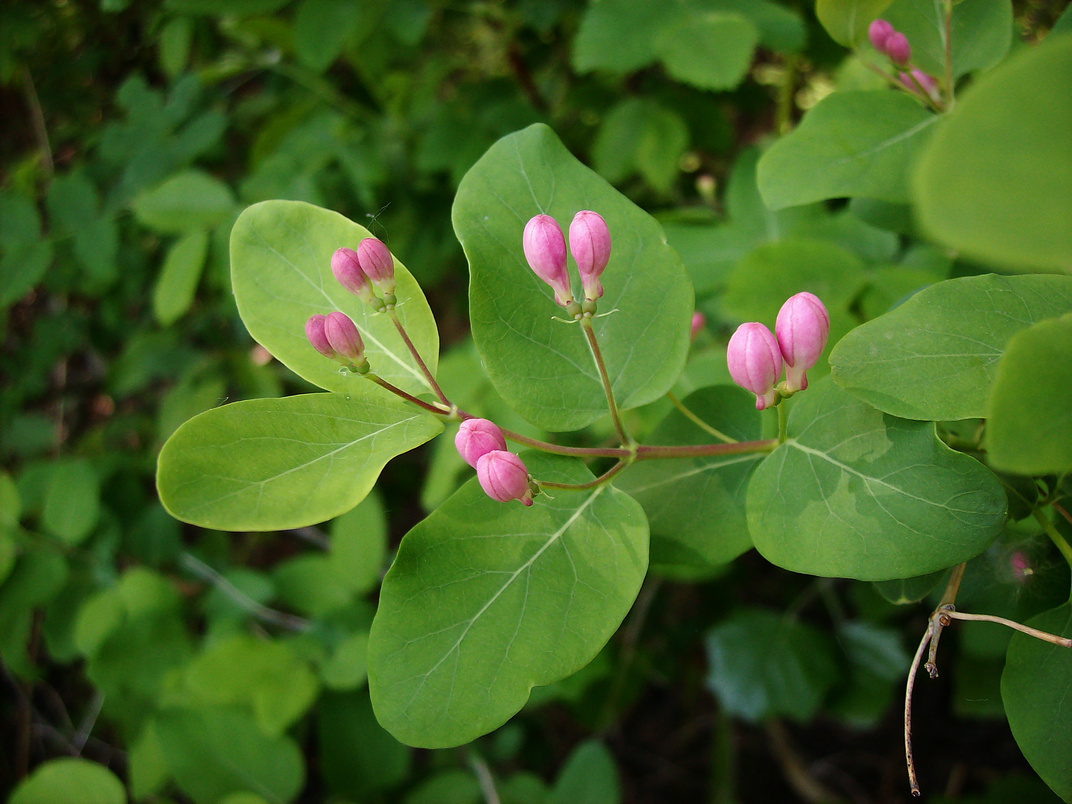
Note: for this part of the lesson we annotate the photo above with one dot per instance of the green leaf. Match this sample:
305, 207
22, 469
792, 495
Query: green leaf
708, 50
359, 545
980, 38
850, 144
311, 584
1029, 424
486, 600
184, 202
24, 256
616, 35
267, 464
72, 501
589, 776
175, 287
695, 506
452, 786
214, 752
640, 136
856, 493
174, 49
1002, 151
935, 356
347, 667
225, 8
767, 665
1036, 688
903, 591
69, 781
281, 271
357, 757
321, 30
542, 367
846, 20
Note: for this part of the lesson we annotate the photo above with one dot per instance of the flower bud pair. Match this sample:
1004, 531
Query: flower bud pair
371, 262
335, 336
502, 474
545, 252
890, 42
755, 356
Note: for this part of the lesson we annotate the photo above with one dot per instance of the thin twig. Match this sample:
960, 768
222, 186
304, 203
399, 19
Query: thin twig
241, 599
912, 781
590, 334
484, 777
37, 118
692, 417
393, 315
86, 728
591, 484
1064, 642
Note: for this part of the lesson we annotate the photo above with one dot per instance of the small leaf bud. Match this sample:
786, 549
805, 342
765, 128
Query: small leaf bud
698, 323
346, 267
476, 438
344, 338
545, 252
755, 362
377, 263
878, 32
897, 48
802, 328
314, 331
503, 477
589, 241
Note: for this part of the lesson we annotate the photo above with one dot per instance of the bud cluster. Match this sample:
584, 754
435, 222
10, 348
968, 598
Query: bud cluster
756, 356
502, 474
545, 251
892, 43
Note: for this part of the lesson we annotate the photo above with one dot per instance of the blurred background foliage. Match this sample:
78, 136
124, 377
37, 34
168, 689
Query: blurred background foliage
202, 666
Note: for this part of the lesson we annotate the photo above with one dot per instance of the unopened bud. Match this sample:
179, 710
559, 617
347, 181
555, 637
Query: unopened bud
377, 263
589, 241
897, 48
314, 331
802, 328
878, 32
346, 267
476, 438
698, 323
503, 477
754, 361
545, 252
922, 81
344, 338
1020, 566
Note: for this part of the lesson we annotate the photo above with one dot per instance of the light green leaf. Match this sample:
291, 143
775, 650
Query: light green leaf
267, 464
855, 493
542, 367
617, 35
707, 50
764, 664
1036, 688
174, 46
24, 255
184, 202
218, 751
935, 356
486, 600
359, 545
321, 30
846, 20
980, 38
347, 667
175, 287
72, 500
69, 781
640, 136
589, 776
452, 786
1029, 424
994, 180
695, 506
281, 271
850, 144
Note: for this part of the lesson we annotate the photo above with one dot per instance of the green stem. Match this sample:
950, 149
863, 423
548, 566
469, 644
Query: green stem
586, 325
394, 389
947, 35
599, 481
783, 113
393, 315
692, 417
649, 451
1055, 536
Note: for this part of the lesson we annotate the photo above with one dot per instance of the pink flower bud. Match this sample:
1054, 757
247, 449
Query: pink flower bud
503, 477
1020, 566
755, 362
346, 266
698, 323
878, 32
344, 338
802, 327
476, 438
897, 48
921, 80
314, 331
377, 263
589, 240
545, 251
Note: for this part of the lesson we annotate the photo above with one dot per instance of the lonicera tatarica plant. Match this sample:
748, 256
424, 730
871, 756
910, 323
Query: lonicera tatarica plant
521, 575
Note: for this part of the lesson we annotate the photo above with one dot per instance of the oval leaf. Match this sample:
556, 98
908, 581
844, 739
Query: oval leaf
177, 283
486, 600
1036, 688
935, 356
994, 180
859, 494
184, 202
267, 464
542, 367
281, 272
69, 781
